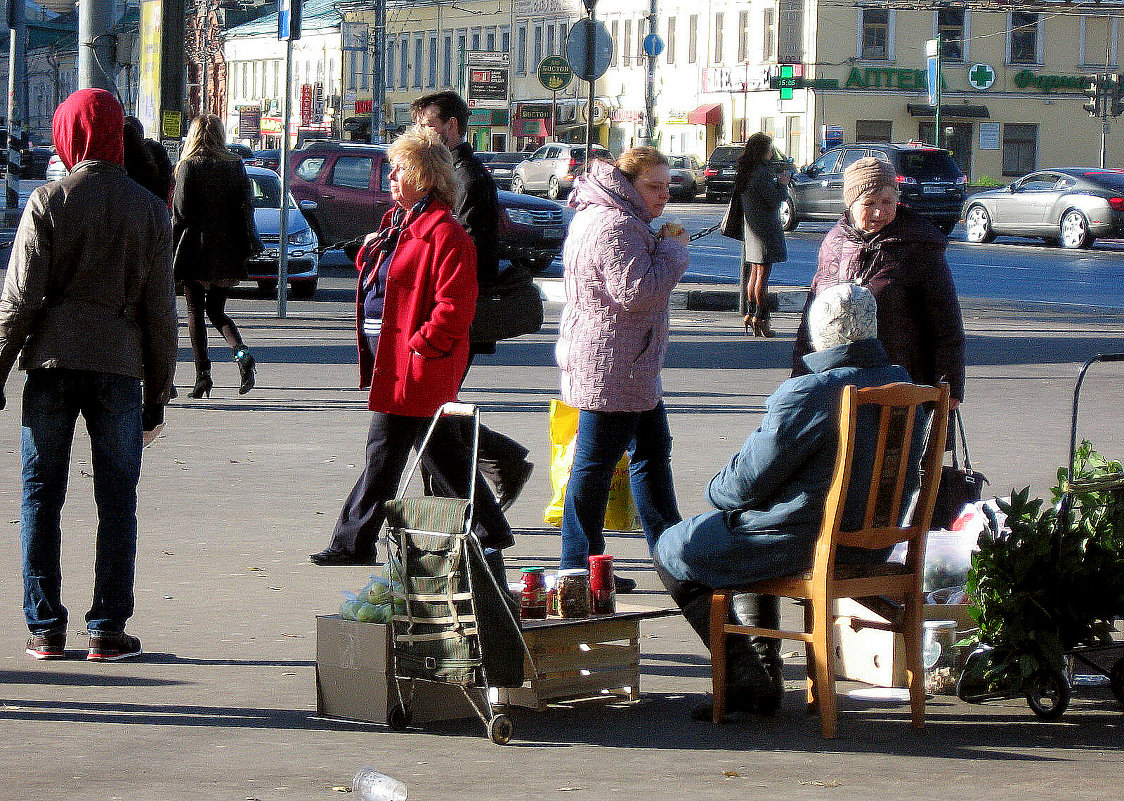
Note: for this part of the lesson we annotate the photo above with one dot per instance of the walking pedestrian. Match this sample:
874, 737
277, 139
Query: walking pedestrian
612, 339
213, 235
147, 162
759, 190
414, 303
88, 307
503, 461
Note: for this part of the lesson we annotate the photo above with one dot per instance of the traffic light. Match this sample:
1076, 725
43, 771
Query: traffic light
1093, 92
1115, 95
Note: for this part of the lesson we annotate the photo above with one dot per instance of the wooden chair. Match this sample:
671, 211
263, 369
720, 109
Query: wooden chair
819, 587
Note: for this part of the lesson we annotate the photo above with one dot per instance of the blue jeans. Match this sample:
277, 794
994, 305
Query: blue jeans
602, 438
111, 406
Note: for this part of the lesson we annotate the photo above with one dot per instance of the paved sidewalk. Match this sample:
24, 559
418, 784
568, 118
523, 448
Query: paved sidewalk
240, 489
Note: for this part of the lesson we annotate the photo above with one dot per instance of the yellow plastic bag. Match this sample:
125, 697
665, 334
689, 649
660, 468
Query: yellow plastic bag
620, 515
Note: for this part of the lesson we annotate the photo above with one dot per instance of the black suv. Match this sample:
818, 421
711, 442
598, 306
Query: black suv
721, 167
344, 190
928, 178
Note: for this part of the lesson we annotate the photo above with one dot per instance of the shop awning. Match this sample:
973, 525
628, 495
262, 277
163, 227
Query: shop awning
529, 128
706, 114
970, 112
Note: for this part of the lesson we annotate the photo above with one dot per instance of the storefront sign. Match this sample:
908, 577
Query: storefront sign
249, 122
1048, 83
989, 136
487, 78
981, 76
555, 73
625, 115
271, 126
306, 103
746, 78
887, 78
675, 118
532, 111
364, 106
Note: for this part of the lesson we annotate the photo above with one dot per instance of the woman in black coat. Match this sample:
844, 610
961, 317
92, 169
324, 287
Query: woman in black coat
213, 235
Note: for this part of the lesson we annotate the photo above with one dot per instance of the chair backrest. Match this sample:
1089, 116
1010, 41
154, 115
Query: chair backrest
903, 484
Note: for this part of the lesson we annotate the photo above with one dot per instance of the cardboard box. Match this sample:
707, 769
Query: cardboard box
353, 677
877, 657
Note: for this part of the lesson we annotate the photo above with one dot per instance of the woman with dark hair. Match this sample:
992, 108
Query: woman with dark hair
147, 162
213, 235
759, 190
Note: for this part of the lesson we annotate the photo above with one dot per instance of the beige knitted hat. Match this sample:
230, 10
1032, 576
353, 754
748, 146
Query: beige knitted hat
842, 314
866, 175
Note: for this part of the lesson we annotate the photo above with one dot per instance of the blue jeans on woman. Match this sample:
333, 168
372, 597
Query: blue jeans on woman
602, 438
111, 406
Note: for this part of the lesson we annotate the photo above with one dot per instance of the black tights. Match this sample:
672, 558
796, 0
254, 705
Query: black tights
212, 301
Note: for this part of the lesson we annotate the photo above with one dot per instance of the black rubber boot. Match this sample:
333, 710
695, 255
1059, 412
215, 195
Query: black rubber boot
751, 609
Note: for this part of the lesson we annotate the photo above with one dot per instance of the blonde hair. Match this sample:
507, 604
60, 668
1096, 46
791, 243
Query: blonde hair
206, 139
426, 162
635, 161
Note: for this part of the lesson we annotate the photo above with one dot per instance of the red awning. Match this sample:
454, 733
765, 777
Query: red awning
706, 114
529, 128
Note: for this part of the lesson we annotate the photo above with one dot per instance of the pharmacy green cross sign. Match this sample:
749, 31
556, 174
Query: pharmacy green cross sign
981, 76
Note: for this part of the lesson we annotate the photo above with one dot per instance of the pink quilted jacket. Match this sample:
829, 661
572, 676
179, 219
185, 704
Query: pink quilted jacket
618, 278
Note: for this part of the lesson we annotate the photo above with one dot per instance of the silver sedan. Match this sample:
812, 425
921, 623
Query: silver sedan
1071, 206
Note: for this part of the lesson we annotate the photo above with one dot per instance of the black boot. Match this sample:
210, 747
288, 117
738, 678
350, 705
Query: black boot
203, 383
245, 362
763, 611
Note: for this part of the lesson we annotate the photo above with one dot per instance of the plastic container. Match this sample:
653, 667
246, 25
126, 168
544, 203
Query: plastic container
601, 584
370, 785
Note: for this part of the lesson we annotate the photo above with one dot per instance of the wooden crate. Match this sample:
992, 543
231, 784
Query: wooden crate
570, 660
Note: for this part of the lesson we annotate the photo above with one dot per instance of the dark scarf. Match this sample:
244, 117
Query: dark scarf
378, 252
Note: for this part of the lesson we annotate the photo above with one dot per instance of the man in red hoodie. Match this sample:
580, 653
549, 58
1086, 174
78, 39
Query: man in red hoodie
89, 308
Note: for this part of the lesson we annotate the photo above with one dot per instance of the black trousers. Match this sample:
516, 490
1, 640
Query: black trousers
447, 461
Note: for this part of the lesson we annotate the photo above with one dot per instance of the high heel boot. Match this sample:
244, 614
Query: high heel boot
203, 383
245, 369
761, 327
750, 324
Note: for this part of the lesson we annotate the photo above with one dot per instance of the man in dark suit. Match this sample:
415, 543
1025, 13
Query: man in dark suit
502, 460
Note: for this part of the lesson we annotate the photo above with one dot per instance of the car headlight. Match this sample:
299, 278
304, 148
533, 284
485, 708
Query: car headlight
302, 237
521, 216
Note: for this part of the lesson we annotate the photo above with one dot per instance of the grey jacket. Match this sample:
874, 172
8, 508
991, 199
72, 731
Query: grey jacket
89, 283
761, 198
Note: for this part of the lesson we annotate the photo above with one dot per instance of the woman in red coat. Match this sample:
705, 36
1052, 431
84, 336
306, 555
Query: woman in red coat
415, 300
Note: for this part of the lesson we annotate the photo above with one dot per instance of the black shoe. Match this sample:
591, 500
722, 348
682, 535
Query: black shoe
203, 385
48, 645
245, 369
622, 584
330, 557
509, 487
112, 647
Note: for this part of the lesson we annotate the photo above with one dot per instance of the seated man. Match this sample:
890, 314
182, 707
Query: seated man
769, 499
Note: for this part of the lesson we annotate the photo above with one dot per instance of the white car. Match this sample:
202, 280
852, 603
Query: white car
56, 169
304, 247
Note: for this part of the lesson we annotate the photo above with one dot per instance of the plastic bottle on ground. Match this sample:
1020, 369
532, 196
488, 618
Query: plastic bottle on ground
370, 785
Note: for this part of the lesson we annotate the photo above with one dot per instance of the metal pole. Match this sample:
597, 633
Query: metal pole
1104, 88
283, 168
937, 94
378, 79
650, 91
17, 100
589, 45
95, 51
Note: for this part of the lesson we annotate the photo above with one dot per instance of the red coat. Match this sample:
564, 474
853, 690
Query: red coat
430, 302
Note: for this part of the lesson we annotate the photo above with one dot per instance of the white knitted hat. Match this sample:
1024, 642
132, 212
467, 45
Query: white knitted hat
842, 314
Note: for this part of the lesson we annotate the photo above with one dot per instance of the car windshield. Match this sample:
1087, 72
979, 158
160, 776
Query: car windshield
265, 192
598, 152
724, 155
929, 165
678, 162
1113, 179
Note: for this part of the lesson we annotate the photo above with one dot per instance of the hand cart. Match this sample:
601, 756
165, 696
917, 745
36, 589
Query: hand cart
1048, 691
453, 623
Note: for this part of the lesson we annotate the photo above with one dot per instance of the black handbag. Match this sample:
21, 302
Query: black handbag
733, 224
508, 309
959, 485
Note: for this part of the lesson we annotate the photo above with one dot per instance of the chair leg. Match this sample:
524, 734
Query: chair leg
810, 662
914, 667
824, 673
719, 614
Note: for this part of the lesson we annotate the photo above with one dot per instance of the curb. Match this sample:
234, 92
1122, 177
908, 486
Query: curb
696, 297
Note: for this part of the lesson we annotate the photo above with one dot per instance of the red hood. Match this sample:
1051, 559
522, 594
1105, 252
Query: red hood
89, 125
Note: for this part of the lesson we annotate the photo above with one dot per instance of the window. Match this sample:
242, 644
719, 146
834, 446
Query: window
365, 71
562, 33
795, 136
873, 130
692, 38
462, 46
670, 40
352, 172
538, 48
875, 34
1098, 38
447, 61
950, 26
614, 31
475, 38
743, 36
719, 20
384, 176
550, 40
768, 35
521, 50
1023, 37
490, 40
310, 168
505, 41
419, 46
432, 82
1020, 147
404, 63
626, 43
790, 31
388, 81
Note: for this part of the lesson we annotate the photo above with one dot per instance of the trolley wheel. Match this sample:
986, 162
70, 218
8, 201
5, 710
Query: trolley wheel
500, 729
1048, 694
399, 717
1116, 679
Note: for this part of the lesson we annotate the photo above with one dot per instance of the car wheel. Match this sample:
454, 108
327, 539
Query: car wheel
787, 214
1075, 230
304, 289
977, 225
517, 185
554, 188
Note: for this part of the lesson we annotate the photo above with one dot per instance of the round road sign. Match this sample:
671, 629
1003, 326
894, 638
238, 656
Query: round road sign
653, 44
589, 63
555, 73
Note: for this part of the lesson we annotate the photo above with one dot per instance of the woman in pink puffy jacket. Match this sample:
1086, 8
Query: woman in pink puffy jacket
612, 339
